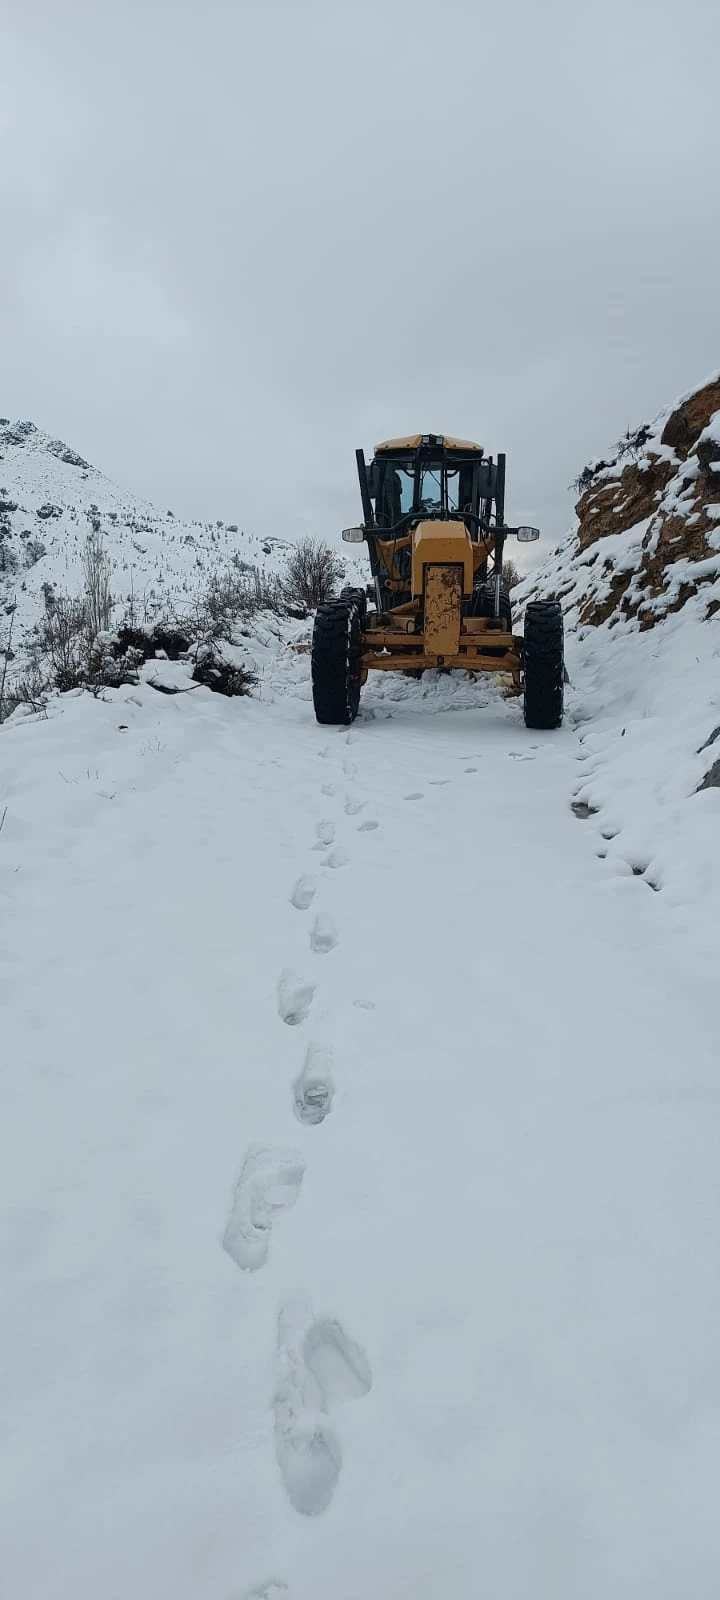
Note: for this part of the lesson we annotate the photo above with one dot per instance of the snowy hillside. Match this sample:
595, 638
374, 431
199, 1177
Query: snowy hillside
50, 499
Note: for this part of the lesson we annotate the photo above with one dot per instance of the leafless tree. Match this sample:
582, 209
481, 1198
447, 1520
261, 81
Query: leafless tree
510, 573
96, 573
3, 675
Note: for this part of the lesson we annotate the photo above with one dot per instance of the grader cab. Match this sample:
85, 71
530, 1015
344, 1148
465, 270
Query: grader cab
434, 524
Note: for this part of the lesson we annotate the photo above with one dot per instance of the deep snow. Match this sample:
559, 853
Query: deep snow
359, 1145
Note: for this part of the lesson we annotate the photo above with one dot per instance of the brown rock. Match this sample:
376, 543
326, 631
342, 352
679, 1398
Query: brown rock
596, 611
621, 503
683, 428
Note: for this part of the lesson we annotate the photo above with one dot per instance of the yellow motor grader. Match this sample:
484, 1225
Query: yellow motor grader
434, 524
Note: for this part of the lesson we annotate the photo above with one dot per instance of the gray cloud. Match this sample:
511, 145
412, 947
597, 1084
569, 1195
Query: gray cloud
242, 238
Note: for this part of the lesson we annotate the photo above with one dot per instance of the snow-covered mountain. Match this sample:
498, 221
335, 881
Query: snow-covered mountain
50, 499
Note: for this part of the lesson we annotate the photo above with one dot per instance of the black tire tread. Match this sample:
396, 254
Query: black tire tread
483, 603
335, 662
543, 664
360, 598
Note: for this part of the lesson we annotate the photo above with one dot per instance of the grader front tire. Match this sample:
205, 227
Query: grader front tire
544, 664
336, 652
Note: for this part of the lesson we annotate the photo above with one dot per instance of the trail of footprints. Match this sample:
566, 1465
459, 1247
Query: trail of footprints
318, 1365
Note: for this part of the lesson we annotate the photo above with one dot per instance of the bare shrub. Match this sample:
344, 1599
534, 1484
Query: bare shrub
34, 551
107, 666
312, 573
219, 675
633, 442
235, 595
71, 642
96, 574
8, 558
32, 690
61, 638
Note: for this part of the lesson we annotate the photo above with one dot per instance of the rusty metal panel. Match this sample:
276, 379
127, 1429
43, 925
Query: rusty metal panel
443, 609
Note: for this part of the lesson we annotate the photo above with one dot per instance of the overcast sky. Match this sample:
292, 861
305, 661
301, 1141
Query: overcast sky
240, 237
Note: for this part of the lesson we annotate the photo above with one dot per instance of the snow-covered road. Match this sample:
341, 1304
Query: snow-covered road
359, 1164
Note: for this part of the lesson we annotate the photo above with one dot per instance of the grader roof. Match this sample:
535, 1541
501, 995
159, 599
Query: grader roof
414, 440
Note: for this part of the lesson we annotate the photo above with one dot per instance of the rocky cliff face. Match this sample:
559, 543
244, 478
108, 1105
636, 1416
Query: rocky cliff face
647, 536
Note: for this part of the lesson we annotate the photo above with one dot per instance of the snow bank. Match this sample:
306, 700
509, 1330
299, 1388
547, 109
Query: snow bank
638, 576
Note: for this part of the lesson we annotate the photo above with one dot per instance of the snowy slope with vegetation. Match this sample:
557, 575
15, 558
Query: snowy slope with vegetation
87, 572
358, 1156
51, 499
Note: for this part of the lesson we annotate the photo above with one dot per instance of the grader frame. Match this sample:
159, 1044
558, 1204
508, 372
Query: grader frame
434, 524
430, 563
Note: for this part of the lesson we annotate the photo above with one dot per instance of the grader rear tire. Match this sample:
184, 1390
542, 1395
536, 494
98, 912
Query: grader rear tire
483, 603
336, 651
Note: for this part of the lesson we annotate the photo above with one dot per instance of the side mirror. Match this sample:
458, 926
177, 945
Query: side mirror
353, 535
527, 535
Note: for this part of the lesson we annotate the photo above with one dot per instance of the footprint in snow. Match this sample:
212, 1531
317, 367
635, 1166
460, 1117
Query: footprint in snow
325, 832
323, 935
583, 809
329, 789
314, 1090
269, 1181
368, 827
349, 768
439, 783
303, 894
416, 795
294, 998
318, 1368
338, 857
353, 807
470, 769
364, 1005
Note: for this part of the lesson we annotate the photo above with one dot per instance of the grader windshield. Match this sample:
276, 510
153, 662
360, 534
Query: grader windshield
430, 483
